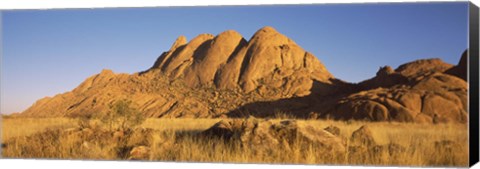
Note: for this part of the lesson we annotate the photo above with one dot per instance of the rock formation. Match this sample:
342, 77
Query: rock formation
418, 91
228, 76
267, 135
205, 77
268, 61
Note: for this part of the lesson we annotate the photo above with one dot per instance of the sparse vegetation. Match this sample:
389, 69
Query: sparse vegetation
122, 115
177, 140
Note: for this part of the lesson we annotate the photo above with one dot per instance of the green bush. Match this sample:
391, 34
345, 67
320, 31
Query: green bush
122, 115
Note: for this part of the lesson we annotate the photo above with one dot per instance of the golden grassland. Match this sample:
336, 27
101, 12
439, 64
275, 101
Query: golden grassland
418, 139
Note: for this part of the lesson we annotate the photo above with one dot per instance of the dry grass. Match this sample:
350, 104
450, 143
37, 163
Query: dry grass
175, 140
183, 124
15, 127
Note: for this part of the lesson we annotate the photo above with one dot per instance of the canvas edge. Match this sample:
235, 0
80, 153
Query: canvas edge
473, 72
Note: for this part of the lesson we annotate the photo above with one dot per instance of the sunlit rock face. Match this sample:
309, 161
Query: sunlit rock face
227, 76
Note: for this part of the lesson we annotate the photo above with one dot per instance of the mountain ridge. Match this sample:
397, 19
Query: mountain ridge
228, 76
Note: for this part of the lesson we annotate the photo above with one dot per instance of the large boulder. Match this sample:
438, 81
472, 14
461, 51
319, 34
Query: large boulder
363, 136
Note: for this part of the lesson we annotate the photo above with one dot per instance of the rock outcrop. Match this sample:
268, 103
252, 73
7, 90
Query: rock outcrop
362, 146
267, 135
419, 91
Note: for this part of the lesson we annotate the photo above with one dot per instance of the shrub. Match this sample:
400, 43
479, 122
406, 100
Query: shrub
122, 115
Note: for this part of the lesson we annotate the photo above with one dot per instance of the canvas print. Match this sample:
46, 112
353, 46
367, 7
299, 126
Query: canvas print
324, 84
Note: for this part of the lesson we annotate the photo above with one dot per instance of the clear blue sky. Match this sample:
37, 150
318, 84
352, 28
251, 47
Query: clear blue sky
47, 52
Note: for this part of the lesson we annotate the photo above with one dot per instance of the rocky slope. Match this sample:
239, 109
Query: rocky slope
228, 76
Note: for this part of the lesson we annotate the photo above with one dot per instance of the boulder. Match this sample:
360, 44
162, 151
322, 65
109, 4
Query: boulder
362, 137
139, 153
444, 109
333, 129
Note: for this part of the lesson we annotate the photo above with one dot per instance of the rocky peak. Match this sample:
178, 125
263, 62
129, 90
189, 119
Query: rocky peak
182, 58
106, 72
460, 70
463, 60
199, 40
269, 36
215, 54
181, 40
103, 76
229, 34
269, 59
265, 31
385, 70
